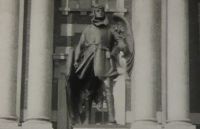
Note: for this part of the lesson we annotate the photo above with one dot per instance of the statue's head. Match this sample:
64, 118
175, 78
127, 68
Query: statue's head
98, 11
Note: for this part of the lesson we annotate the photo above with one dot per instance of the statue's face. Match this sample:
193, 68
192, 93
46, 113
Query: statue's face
99, 13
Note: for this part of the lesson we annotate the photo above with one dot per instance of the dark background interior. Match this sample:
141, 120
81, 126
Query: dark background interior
194, 54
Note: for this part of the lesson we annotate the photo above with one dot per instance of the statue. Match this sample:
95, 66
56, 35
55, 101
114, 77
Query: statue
95, 64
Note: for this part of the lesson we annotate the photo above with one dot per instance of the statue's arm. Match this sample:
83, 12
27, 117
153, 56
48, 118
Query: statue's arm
78, 50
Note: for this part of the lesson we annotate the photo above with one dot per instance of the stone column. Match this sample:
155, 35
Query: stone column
9, 17
40, 64
178, 65
146, 73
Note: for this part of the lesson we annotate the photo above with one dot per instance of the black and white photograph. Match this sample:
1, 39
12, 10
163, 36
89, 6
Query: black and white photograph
99, 64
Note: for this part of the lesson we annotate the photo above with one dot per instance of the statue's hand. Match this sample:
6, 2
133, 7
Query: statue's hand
99, 106
76, 65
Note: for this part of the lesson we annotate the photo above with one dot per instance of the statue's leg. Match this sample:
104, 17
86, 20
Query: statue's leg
77, 119
76, 110
110, 100
87, 107
87, 112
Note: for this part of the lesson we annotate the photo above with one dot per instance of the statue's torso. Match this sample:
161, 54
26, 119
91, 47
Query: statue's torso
97, 46
98, 36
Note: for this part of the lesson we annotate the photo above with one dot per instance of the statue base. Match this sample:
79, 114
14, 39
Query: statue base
37, 124
180, 125
9, 124
146, 125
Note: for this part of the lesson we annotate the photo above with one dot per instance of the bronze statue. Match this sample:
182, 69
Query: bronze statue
95, 65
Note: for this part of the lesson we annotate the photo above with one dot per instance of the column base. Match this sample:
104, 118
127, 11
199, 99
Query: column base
37, 124
180, 125
145, 125
8, 124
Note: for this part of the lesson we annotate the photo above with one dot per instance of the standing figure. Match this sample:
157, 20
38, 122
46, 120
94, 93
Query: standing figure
94, 57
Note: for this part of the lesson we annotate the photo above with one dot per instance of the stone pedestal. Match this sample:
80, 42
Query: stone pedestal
100, 127
180, 125
37, 124
8, 124
146, 125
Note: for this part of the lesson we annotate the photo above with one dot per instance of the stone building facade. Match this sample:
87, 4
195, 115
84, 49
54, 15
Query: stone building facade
164, 87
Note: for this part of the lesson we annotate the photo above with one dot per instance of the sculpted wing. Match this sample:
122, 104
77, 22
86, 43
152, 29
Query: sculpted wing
122, 31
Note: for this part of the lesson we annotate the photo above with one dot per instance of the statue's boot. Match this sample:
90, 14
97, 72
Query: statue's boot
87, 118
110, 102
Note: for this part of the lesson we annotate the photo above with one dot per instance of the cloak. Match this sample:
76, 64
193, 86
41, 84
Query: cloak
93, 51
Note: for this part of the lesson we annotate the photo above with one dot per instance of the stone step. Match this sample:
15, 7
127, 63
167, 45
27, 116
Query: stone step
106, 126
